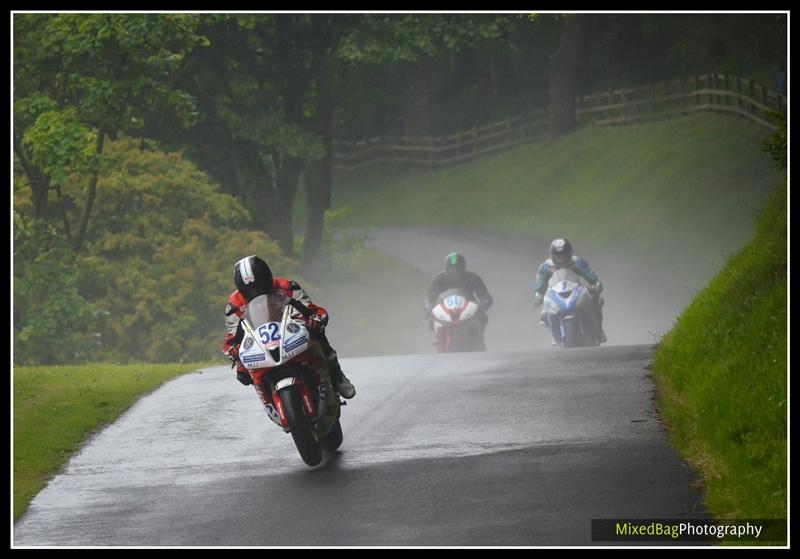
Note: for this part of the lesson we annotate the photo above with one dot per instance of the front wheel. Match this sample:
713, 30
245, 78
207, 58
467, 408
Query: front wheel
572, 333
307, 445
335, 437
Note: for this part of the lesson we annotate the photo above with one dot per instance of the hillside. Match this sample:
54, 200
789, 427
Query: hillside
694, 184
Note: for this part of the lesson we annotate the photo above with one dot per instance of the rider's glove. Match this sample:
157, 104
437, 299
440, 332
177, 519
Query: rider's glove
317, 322
595, 289
233, 355
244, 377
537, 299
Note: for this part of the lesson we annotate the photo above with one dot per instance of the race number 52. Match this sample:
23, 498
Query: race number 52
269, 332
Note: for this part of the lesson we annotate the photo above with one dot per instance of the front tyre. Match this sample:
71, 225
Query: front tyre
335, 437
572, 333
300, 428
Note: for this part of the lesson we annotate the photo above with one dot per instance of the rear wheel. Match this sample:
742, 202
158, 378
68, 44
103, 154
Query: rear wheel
307, 445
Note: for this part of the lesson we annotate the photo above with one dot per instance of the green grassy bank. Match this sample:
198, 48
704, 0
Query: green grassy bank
721, 377
695, 179
57, 408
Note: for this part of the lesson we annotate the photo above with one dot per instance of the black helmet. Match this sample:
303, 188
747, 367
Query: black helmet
561, 253
252, 277
454, 264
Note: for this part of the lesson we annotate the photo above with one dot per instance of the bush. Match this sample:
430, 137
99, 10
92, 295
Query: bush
153, 277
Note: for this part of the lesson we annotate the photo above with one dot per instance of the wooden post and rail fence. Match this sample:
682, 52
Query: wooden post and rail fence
720, 93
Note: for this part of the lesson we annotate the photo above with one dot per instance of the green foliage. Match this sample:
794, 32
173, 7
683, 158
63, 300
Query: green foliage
776, 144
28, 109
155, 274
112, 67
53, 322
746, 44
721, 374
379, 39
61, 145
75, 74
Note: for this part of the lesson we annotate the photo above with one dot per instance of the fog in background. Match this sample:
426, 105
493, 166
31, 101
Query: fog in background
642, 301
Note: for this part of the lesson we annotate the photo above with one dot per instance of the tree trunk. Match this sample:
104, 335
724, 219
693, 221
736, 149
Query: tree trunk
417, 98
563, 69
40, 185
280, 227
494, 82
319, 182
38, 181
319, 186
91, 193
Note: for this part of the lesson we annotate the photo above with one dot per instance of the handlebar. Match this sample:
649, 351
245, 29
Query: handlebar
301, 308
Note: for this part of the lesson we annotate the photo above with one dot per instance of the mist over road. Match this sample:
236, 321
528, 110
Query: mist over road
641, 302
464, 449
520, 445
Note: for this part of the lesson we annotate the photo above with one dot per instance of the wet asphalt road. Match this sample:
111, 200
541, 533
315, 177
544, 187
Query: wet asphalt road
490, 449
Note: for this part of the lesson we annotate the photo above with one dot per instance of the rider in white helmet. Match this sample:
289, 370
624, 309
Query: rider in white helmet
561, 257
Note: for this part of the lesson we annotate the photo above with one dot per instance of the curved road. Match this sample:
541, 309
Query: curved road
521, 445
467, 449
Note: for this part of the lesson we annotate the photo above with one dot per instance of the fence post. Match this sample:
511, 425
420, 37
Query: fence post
684, 101
715, 97
738, 99
726, 88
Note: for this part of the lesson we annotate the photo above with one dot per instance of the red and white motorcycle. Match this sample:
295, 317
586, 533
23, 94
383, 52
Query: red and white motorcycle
285, 362
457, 323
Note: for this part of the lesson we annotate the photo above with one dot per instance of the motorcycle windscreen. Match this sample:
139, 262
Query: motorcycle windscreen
261, 343
564, 274
265, 309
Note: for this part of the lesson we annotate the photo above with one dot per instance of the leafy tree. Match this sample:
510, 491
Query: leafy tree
53, 321
253, 86
155, 271
776, 143
81, 77
412, 40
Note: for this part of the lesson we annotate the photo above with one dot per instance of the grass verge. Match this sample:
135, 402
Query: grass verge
721, 377
672, 183
57, 408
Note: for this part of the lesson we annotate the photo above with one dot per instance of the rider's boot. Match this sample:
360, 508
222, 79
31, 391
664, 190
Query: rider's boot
343, 385
601, 336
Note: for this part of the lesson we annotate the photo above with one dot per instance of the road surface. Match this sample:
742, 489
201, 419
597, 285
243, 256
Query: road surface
487, 449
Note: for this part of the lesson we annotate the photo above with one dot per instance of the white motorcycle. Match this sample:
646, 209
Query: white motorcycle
456, 323
568, 310
285, 362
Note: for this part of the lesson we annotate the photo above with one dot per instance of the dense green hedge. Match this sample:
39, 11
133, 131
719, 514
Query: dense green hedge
721, 375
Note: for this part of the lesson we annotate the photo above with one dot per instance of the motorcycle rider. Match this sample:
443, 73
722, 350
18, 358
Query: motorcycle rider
561, 257
456, 276
252, 278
